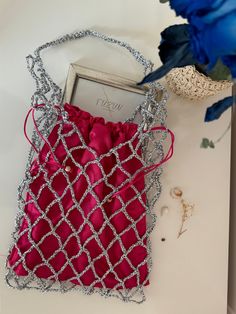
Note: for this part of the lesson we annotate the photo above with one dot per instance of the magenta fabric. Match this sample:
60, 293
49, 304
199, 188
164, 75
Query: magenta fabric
100, 136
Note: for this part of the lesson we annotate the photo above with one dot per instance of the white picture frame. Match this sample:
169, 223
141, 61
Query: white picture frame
85, 88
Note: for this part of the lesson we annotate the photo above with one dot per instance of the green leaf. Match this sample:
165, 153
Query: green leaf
206, 143
211, 144
219, 72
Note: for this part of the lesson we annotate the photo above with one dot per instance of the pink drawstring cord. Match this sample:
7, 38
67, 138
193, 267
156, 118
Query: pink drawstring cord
25, 131
141, 174
150, 168
32, 111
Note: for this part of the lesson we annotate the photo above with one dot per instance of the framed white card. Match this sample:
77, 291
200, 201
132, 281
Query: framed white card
111, 96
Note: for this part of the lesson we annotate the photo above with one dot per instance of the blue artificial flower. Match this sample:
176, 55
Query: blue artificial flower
209, 37
213, 29
174, 51
216, 41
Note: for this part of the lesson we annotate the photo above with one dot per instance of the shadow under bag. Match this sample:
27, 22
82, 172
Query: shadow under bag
86, 202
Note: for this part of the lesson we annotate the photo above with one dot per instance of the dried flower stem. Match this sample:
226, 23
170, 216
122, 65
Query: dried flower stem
187, 208
187, 211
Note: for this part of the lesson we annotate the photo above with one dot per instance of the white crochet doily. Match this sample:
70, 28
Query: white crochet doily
189, 83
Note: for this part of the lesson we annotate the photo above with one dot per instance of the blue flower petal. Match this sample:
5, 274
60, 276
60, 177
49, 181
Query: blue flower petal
216, 110
173, 37
176, 34
187, 8
182, 57
158, 73
219, 11
174, 52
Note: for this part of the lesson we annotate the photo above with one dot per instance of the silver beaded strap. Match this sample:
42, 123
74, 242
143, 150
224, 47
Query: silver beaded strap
45, 84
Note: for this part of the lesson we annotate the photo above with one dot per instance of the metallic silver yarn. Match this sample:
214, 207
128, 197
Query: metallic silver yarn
147, 114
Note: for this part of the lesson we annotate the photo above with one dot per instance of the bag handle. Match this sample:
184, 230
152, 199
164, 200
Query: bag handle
45, 84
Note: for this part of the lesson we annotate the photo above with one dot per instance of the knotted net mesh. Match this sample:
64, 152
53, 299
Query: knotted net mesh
71, 232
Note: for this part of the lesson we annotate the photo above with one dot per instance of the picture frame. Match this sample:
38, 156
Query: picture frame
85, 87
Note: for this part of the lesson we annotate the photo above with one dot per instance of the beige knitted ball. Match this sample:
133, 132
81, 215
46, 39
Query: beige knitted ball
189, 83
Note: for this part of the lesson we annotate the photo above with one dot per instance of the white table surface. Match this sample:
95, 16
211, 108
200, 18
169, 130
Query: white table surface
189, 274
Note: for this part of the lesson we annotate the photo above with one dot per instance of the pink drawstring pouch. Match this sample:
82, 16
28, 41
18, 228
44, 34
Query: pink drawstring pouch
85, 205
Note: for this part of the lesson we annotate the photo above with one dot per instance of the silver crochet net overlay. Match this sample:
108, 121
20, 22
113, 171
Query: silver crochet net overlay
147, 114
